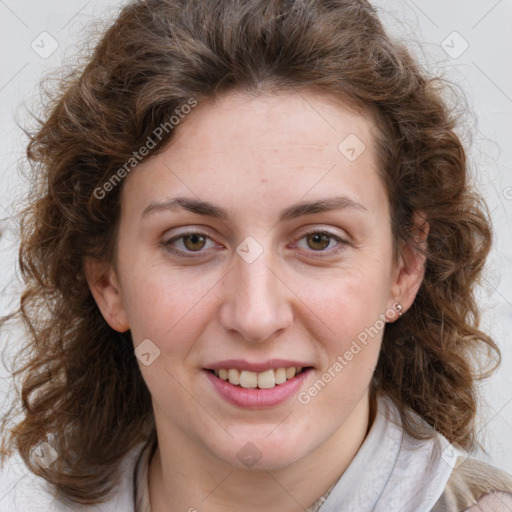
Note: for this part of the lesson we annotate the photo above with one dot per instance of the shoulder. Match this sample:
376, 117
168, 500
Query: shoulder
21, 490
475, 486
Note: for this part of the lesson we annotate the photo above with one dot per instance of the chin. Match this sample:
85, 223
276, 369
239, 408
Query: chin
262, 453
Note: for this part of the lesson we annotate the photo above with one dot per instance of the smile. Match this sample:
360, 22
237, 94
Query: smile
262, 380
257, 390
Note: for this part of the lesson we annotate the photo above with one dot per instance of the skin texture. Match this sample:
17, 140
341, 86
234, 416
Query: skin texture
255, 156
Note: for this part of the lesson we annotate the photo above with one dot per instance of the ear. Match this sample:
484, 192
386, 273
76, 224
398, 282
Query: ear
410, 268
104, 286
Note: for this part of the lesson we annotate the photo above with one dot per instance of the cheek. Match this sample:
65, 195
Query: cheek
351, 317
347, 318
346, 302
162, 303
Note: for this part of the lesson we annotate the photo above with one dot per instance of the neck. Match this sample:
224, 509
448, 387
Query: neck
185, 476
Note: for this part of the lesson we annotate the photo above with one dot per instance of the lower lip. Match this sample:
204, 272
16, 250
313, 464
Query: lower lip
256, 398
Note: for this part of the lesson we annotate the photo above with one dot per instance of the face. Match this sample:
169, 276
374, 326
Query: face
256, 280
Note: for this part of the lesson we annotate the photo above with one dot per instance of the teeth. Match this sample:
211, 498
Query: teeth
290, 372
280, 375
248, 379
263, 380
234, 376
266, 380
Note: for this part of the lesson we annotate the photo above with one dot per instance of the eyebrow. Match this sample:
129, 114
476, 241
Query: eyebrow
294, 211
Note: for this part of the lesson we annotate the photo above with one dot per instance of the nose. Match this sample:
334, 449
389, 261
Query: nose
256, 301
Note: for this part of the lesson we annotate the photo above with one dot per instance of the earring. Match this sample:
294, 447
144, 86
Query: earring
398, 308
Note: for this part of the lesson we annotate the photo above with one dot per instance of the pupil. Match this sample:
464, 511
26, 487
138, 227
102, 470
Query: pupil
194, 239
320, 238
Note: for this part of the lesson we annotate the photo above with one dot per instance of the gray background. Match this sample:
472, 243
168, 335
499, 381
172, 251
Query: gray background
468, 42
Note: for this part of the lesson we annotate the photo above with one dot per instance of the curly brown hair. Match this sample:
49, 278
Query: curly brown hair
79, 380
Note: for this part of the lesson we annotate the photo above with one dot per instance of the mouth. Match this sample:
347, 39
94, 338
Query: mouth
267, 379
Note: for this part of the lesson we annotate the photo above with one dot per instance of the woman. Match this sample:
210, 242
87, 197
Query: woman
249, 264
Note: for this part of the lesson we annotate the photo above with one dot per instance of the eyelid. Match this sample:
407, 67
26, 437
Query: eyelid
342, 242
168, 243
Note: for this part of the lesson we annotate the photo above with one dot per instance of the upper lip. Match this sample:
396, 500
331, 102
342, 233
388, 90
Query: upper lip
242, 364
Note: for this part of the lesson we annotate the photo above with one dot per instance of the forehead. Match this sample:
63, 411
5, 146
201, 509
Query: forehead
271, 122
289, 144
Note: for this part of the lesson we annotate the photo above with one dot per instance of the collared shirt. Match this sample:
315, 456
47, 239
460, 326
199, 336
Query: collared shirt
391, 472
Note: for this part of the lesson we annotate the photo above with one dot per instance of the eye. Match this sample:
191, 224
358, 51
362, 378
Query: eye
188, 243
322, 242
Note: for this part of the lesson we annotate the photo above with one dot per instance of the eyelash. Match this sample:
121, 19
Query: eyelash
186, 254
196, 254
325, 252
